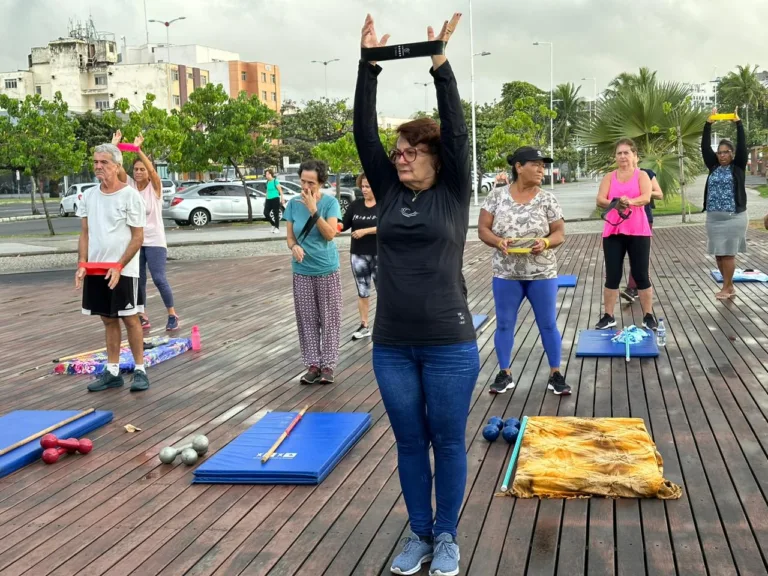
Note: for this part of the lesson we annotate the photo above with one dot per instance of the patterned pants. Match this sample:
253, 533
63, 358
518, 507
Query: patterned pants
318, 303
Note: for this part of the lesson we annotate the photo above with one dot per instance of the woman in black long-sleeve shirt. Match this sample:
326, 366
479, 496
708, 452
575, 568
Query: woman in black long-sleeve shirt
425, 354
725, 202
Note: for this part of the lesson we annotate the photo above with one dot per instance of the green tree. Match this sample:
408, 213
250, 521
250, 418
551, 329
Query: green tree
163, 133
40, 139
742, 88
221, 130
570, 157
626, 81
650, 116
571, 113
97, 128
318, 121
522, 96
518, 129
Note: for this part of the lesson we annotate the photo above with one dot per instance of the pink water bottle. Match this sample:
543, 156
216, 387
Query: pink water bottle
195, 338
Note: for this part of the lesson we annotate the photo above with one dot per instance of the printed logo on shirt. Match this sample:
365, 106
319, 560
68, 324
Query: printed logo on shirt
408, 213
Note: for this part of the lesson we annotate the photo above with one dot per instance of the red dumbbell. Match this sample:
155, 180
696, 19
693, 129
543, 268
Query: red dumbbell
52, 455
71, 445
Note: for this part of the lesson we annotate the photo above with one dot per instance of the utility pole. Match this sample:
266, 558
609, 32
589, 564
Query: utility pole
681, 167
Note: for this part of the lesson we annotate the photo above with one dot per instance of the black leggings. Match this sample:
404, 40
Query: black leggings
615, 247
272, 211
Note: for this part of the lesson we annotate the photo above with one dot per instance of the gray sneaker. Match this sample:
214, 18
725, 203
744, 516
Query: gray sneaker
106, 380
140, 381
445, 559
415, 553
362, 332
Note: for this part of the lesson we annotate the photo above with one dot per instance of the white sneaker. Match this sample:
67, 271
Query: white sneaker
275, 231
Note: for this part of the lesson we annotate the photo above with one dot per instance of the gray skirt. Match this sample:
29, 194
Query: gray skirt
726, 233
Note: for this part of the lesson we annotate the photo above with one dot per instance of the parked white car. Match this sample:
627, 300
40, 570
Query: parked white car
72, 197
214, 202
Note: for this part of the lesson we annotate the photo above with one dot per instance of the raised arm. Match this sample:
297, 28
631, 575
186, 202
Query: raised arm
707, 154
742, 154
454, 137
381, 174
154, 178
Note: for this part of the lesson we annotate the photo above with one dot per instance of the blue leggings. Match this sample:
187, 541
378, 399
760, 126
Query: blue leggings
154, 257
542, 294
426, 391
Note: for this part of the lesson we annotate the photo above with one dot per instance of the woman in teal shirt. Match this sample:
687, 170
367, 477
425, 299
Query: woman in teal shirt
274, 201
312, 221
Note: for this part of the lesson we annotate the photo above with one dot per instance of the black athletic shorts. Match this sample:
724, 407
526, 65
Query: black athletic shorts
99, 300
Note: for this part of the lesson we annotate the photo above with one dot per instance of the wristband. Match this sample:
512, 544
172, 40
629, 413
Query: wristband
546, 243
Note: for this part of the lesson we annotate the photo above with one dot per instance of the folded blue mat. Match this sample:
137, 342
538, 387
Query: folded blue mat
566, 280
478, 320
598, 343
310, 452
740, 275
20, 424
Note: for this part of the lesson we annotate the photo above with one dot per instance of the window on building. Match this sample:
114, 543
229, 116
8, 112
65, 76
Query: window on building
264, 95
189, 75
203, 80
102, 104
111, 48
101, 80
263, 76
274, 96
175, 75
38, 89
273, 79
176, 100
10, 83
243, 76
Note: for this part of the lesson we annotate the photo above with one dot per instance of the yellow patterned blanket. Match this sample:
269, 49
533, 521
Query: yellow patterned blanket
563, 457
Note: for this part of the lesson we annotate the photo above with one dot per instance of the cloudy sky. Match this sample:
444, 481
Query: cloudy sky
685, 40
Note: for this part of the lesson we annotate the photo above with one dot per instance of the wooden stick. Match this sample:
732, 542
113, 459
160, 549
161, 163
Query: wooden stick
284, 435
46, 431
515, 453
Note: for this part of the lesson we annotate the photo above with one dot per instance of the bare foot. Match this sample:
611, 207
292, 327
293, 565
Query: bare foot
726, 294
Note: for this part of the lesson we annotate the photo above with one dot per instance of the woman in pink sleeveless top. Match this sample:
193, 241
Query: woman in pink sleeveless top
626, 232
154, 250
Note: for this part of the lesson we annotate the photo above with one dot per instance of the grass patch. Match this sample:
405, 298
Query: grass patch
670, 206
763, 190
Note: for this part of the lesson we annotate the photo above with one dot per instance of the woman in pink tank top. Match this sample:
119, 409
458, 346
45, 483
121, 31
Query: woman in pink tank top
623, 195
154, 250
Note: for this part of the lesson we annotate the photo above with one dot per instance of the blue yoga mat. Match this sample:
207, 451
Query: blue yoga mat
598, 343
742, 276
310, 452
20, 424
478, 320
566, 280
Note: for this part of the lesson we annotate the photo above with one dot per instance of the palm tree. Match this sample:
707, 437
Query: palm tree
571, 112
742, 88
649, 114
625, 81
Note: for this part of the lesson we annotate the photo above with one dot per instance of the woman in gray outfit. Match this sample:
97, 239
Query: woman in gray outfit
725, 202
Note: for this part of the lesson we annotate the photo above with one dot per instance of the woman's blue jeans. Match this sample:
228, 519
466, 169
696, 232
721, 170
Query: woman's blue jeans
426, 391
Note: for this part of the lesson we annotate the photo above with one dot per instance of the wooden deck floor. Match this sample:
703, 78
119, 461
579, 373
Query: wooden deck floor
119, 511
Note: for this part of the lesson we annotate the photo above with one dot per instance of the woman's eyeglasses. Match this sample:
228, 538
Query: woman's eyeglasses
409, 155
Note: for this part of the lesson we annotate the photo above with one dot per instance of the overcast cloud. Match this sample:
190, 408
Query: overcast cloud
683, 40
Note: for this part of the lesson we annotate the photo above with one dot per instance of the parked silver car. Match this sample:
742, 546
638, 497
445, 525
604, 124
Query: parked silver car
214, 202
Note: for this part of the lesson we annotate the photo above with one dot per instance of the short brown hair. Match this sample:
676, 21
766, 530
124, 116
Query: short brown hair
422, 131
359, 179
625, 142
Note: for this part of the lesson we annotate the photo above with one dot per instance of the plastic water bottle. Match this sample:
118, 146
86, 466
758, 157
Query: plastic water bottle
661, 334
195, 338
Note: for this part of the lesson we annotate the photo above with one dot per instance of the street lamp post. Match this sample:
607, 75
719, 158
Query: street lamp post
474, 114
167, 25
551, 97
325, 67
426, 95
594, 96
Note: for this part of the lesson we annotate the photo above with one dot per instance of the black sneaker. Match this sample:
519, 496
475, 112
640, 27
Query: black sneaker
502, 383
326, 376
140, 381
607, 321
649, 322
106, 380
311, 376
557, 384
629, 294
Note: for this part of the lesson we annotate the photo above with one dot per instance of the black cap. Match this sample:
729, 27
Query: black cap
528, 154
